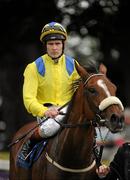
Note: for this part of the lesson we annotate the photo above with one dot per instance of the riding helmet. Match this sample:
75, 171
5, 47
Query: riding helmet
53, 31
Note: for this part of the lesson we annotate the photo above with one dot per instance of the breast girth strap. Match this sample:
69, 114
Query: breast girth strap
69, 169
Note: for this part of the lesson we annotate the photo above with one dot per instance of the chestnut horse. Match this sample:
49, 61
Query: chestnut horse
69, 154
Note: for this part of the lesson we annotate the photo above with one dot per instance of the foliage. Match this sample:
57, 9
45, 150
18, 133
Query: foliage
4, 155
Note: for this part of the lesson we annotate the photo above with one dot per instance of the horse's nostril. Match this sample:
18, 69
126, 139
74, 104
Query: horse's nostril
114, 118
122, 121
117, 122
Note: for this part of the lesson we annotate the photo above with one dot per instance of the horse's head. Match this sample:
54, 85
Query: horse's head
100, 94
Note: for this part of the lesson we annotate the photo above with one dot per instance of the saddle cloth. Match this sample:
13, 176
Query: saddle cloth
33, 155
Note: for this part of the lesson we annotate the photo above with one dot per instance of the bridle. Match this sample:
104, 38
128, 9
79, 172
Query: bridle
111, 100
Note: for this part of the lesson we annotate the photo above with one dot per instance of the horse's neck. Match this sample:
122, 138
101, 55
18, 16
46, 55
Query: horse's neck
80, 138
74, 145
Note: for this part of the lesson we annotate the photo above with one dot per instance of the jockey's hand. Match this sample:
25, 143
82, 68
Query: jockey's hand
52, 112
102, 171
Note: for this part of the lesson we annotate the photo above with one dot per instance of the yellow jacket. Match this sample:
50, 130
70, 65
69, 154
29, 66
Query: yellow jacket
54, 86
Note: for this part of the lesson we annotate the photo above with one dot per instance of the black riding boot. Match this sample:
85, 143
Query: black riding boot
26, 149
29, 144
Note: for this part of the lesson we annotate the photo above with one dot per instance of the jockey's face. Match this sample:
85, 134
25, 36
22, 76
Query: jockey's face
54, 48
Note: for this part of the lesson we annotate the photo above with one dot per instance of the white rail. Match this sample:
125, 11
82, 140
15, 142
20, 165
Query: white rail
4, 165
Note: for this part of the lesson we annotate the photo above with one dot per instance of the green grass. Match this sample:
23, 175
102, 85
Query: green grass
4, 155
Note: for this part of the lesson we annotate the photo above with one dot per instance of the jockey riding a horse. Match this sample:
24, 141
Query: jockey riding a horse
54, 85
48, 82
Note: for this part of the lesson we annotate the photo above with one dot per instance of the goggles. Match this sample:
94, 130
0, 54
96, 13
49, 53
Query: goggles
52, 28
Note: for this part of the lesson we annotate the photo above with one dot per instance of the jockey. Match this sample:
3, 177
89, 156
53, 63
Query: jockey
48, 81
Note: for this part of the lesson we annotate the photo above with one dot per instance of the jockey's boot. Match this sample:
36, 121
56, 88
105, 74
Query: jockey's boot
29, 144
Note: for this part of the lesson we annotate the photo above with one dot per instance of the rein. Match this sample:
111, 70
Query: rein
65, 125
30, 131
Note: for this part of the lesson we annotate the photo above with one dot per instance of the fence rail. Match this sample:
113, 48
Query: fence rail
4, 165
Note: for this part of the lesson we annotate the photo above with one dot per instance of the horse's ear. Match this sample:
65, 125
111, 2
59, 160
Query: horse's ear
81, 70
103, 69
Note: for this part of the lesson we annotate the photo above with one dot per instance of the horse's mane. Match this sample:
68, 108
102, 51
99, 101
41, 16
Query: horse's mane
91, 69
73, 88
84, 72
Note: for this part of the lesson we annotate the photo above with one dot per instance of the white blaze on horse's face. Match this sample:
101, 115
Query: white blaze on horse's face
101, 83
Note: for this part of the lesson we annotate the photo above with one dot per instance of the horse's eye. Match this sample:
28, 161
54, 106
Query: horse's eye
92, 90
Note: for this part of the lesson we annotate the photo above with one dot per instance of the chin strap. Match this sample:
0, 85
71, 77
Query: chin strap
57, 58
